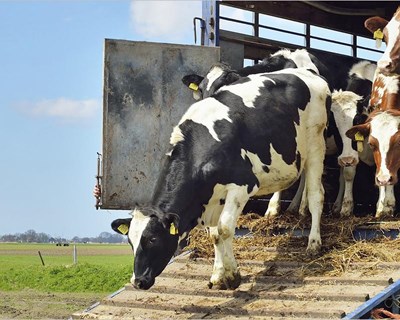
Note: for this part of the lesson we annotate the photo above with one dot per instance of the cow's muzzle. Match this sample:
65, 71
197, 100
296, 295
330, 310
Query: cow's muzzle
385, 180
143, 283
347, 161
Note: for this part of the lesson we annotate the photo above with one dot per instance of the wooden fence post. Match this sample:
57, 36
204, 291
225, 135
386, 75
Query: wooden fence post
40, 255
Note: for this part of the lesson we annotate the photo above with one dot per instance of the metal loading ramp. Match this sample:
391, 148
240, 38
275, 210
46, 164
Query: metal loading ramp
269, 290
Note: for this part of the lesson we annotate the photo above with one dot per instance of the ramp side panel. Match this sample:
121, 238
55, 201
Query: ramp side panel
143, 99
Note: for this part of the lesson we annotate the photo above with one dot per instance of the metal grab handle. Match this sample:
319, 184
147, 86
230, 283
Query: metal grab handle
202, 27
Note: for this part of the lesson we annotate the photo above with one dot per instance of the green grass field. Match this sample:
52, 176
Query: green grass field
99, 268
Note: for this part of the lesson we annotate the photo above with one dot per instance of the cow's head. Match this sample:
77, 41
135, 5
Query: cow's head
219, 75
344, 109
382, 130
389, 63
153, 236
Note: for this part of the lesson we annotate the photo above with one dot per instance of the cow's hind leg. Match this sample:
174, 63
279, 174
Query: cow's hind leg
225, 272
315, 190
274, 205
298, 204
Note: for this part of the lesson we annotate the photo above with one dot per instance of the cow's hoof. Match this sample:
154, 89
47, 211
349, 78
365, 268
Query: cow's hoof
336, 209
384, 213
227, 283
234, 282
303, 212
272, 212
312, 253
217, 286
292, 210
345, 213
313, 248
347, 208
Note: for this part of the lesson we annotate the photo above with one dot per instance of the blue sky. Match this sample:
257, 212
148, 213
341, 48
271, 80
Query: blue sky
51, 104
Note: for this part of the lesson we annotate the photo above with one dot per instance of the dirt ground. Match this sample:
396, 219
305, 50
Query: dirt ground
340, 253
32, 304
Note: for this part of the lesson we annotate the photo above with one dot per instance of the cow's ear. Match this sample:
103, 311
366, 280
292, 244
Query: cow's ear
359, 118
121, 225
359, 132
375, 23
170, 222
192, 81
231, 77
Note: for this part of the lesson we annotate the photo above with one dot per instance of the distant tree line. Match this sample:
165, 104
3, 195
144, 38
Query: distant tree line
40, 237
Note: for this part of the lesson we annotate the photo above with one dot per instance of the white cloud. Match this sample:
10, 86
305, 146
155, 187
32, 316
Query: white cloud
165, 20
61, 108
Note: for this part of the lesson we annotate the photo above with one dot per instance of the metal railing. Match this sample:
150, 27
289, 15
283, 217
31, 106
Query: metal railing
305, 39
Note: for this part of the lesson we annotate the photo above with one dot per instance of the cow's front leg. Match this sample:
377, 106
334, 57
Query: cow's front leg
337, 206
348, 203
225, 272
386, 202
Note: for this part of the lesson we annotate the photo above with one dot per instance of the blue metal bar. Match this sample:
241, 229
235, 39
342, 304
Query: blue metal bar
366, 307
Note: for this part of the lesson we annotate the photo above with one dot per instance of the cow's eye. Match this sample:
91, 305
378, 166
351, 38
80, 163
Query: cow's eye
152, 240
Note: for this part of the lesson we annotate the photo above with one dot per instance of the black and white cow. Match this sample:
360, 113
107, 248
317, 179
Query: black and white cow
253, 137
348, 108
221, 74
344, 109
335, 71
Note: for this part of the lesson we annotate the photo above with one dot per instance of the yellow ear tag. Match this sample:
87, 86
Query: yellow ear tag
193, 86
360, 139
173, 230
123, 228
378, 36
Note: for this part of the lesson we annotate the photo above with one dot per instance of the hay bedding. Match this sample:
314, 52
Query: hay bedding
340, 251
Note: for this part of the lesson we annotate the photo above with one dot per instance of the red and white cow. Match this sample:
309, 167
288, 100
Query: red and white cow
382, 130
389, 63
386, 87
382, 125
